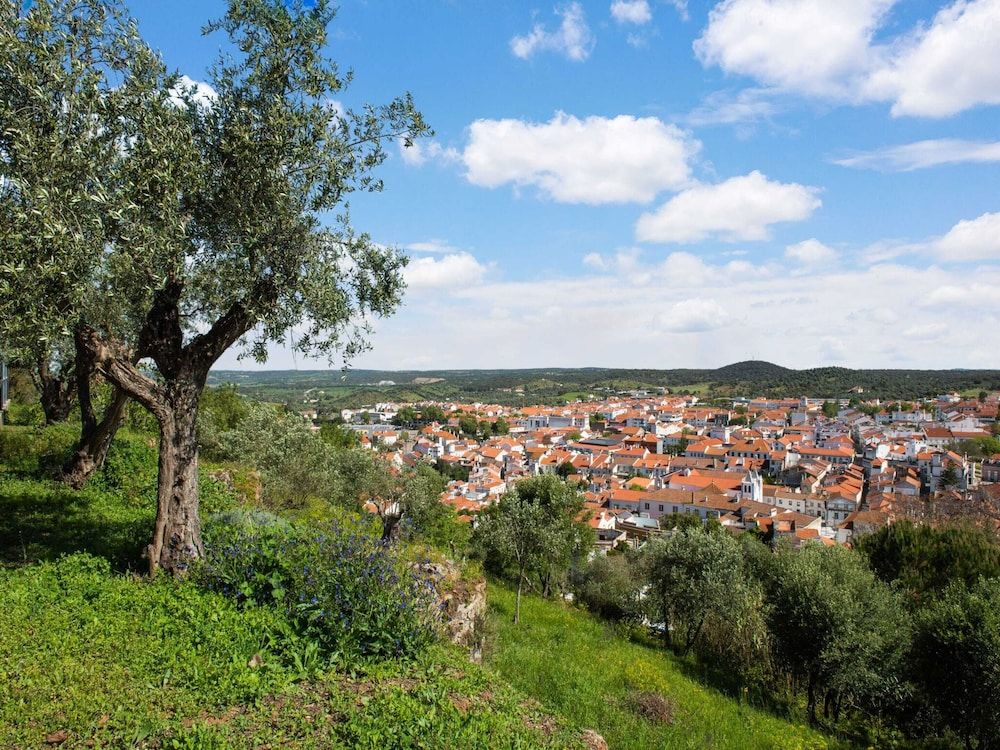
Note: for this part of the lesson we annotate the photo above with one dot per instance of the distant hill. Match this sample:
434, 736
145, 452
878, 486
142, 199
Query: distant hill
335, 389
749, 370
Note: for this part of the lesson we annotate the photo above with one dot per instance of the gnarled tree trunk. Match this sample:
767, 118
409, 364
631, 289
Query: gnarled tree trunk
56, 391
174, 402
96, 435
95, 440
177, 534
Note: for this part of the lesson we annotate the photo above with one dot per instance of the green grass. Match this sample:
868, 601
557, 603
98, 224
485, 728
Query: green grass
582, 669
115, 661
93, 655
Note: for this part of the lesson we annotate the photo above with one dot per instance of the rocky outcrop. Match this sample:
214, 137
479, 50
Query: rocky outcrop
459, 603
245, 484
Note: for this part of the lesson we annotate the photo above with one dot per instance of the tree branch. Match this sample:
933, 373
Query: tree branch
113, 361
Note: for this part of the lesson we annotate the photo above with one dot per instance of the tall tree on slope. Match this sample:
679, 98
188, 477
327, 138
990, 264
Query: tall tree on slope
228, 191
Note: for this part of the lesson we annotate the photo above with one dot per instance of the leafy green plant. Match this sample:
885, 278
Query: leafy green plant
342, 587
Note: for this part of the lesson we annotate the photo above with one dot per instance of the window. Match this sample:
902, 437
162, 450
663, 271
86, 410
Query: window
661, 509
647, 506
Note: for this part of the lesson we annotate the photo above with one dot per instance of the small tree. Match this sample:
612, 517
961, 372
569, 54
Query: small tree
468, 425
691, 574
835, 627
956, 653
69, 77
530, 530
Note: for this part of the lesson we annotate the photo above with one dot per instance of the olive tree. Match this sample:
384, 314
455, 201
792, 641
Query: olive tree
692, 574
532, 529
232, 229
67, 73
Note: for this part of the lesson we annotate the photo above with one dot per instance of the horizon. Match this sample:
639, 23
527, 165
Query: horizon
619, 368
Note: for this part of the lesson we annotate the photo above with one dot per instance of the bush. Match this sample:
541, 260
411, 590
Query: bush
341, 587
30, 415
130, 468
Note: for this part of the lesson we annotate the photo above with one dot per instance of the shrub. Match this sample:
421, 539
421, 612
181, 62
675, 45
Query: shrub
130, 468
339, 585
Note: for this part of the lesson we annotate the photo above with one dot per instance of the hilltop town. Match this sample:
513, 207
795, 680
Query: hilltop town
797, 468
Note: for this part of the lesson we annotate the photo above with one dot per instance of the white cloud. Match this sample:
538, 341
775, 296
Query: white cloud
730, 108
835, 315
691, 316
922, 154
573, 39
420, 152
811, 253
973, 295
595, 160
812, 46
201, 93
458, 269
681, 6
741, 208
595, 261
827, 49
925, 331
631, 11
950, 66
436, 246
972, 239
968, 240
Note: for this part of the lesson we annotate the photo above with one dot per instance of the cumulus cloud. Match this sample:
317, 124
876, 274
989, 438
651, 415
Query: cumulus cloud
947, 67
572, 39
199, 92
811, 253
741, 208
458, 269
762, 315
813, 46
631, 11
972, 239
594, 160
827, 49
921, 154
973, 295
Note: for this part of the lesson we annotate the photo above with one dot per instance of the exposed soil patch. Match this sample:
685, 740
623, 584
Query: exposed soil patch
652, 706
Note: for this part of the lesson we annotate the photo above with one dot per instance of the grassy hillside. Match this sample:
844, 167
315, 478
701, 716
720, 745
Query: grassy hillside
92, 659
581, 669
93, 654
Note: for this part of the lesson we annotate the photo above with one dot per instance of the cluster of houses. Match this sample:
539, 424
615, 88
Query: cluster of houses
785, 468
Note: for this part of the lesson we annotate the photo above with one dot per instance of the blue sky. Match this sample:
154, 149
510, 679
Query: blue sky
653, 183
